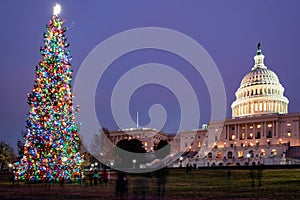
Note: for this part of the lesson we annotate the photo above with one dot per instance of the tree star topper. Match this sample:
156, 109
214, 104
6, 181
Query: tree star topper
56, 9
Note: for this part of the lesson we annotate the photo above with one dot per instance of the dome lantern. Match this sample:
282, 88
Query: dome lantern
259, 58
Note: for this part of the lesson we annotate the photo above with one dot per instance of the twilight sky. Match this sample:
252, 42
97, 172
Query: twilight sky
228, 30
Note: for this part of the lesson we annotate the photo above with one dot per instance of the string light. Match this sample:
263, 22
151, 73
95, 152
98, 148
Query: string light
51, 150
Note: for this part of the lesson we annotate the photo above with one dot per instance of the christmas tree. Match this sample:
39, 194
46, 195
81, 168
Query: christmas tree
51, 146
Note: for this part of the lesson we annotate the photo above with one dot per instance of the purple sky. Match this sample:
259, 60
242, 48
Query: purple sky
228, 30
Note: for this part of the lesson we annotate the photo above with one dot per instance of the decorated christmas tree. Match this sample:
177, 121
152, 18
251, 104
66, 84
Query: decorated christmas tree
51, 141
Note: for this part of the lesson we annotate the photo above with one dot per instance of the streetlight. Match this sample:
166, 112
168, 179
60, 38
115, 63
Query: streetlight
180, 160
248, 156
133, 162
96, 166
10, 166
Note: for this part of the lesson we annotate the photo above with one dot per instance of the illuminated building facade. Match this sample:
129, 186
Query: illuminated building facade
148, 136
261, 131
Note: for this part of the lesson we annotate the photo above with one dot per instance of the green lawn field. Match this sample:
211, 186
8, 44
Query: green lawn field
200, 184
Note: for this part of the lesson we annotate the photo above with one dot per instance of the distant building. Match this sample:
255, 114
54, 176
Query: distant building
261, 131
148, 136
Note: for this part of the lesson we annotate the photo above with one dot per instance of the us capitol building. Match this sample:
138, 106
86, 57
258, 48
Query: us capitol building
261, 131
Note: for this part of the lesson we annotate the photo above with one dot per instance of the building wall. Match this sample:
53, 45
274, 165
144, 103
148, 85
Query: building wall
191, 140
255, 139
261, 130
148, 136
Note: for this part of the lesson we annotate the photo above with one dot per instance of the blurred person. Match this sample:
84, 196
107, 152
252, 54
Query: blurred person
141, 184
104, 176
259, 174
121, 185
96, 176
161, 176
252, 175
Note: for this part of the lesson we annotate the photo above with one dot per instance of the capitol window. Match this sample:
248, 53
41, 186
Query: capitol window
250, 135
273, 152
232, 137
258, 126
243, 136
199, 144
289, 134
251, 153
219, 155
240, 154
269, 135
209, 155
257, 135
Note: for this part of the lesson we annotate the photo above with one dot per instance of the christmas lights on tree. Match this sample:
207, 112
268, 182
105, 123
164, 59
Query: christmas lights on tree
51, 149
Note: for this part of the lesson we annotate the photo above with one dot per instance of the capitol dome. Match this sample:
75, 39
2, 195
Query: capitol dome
260, 76
260, 91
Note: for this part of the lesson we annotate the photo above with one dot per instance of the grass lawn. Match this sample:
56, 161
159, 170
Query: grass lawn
276, 184
200, 184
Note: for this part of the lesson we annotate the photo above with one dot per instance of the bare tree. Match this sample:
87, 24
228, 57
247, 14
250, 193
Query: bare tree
7, 155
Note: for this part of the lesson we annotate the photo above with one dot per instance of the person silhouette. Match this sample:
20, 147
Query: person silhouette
259, 174
96, 177
121, 185
161, 176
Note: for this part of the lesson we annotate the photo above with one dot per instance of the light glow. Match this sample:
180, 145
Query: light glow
258, 126
51, 140
56, 9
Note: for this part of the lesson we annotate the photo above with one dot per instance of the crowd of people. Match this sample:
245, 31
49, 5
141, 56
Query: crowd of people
141, 182
95, 178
